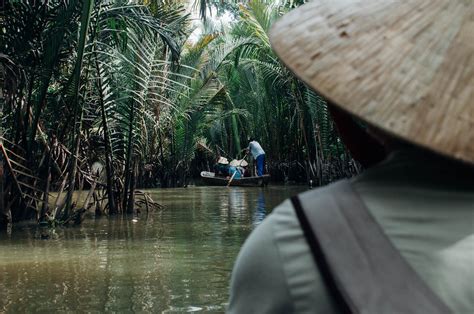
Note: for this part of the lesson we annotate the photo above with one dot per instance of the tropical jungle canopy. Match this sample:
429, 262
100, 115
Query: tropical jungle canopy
112, 96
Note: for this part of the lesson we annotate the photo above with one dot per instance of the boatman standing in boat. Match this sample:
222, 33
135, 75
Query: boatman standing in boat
398, 238
258, 154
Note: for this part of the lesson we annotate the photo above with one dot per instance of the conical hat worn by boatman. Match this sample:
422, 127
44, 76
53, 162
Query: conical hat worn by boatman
406, 67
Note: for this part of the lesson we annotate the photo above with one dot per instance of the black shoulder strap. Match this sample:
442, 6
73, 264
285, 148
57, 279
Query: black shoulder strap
362, 269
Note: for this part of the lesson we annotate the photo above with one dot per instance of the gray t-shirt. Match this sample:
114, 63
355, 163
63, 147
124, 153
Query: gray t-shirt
255, 149
424, 205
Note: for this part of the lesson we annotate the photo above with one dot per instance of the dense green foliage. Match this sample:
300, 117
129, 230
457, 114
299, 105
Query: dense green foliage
115, 95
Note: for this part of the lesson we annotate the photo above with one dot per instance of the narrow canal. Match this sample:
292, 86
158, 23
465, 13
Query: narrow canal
173, 261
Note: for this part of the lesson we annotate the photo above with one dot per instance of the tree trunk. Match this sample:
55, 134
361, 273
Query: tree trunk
5, 215
128, 161
131, 198
78, 112
109, 169
45, 207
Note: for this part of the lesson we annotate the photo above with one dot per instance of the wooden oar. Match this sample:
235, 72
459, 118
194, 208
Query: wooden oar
236, 169
231, 178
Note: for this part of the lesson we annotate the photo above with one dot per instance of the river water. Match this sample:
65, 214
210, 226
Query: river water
173, 261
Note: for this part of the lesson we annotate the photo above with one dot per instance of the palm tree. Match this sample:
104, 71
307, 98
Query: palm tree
132, 58
201, 99
282, 109
121, 84
63, 90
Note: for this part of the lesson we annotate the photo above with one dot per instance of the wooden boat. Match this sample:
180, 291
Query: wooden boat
210, 178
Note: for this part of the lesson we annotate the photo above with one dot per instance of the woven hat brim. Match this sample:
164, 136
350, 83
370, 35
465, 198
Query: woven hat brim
223, 161
406, 67
237, 163
243, 163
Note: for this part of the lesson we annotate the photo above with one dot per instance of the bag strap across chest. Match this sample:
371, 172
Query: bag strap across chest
362, 269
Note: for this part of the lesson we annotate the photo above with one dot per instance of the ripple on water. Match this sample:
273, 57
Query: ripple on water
178, 260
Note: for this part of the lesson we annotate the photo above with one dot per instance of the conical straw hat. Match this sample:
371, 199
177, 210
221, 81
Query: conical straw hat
241, 163
223, 160
406, 67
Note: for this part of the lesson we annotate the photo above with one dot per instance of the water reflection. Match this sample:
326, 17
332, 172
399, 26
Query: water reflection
177, 260
260, 210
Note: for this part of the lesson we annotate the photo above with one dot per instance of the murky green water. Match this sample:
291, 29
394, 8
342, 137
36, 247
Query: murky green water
177, 260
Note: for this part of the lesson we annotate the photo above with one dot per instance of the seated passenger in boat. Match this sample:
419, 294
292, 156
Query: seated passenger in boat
242, 166
245, 171
221, 168
234, 169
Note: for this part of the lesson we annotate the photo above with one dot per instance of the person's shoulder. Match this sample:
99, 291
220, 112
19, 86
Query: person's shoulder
275, 271
316, 196
258, 283
262, 239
